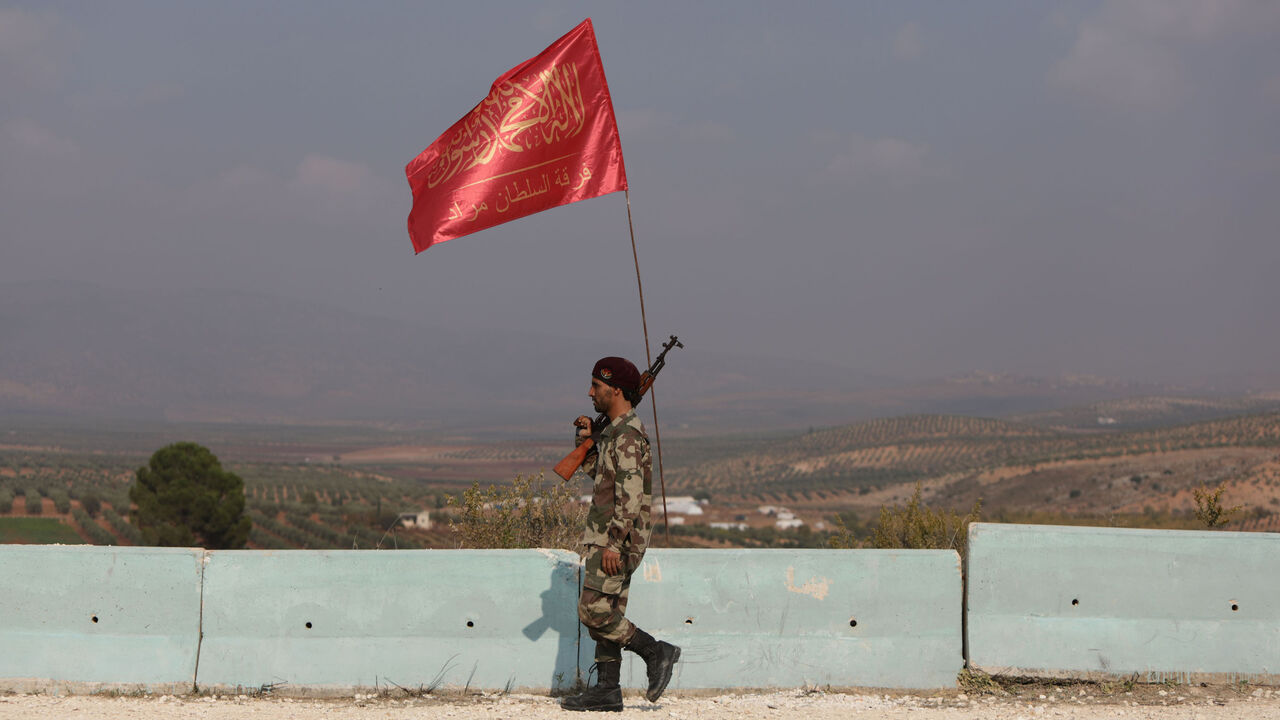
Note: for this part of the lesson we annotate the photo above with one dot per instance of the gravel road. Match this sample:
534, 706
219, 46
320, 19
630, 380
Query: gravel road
1026, 703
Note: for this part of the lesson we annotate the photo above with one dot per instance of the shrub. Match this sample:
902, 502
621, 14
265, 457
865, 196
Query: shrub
1209, 508
91, 504
122, 526
6, 501
527, 514
265, 540
917, 526
35, 505
118, 499
61, 501
331, 538
299, 537
98, 535
846, 535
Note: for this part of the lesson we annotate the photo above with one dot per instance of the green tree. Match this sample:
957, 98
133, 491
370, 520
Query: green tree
61, 501
91, 504
35, 504
185, 498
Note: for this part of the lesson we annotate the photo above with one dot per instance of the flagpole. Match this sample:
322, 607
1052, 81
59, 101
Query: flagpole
648, 359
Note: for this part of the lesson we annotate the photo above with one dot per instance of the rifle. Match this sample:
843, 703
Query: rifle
571, 462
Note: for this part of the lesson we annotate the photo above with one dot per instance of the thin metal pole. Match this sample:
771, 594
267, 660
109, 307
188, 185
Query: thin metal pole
648, 359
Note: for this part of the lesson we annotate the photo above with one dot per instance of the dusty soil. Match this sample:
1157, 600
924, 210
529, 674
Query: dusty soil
1099, 486
1023, 702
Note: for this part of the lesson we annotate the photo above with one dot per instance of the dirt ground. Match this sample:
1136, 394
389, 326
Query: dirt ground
1013, 702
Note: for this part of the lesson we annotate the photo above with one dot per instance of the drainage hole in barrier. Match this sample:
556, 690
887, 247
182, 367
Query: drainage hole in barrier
1075, 601
1234, 607
94, 618
308, 624
470, 624
688, 621
853, 622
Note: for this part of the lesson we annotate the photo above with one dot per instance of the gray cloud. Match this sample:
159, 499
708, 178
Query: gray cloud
1135, 53
32, 49
894, 160
28, 138
908, 43
662, 126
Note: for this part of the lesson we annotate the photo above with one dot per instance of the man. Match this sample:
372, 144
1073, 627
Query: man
616, 536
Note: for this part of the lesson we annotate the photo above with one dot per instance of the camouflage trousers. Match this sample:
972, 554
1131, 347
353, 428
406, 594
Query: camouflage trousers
602, 607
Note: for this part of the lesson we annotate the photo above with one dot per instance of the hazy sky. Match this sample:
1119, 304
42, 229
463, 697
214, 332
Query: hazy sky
895, 187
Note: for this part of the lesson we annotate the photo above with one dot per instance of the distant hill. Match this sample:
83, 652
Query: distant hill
985, 394
1144, 412
887, 452
217, 356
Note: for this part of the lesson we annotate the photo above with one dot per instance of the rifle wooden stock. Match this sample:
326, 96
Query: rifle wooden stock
571, 462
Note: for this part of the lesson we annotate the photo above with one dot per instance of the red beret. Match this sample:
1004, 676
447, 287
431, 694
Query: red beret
618, 372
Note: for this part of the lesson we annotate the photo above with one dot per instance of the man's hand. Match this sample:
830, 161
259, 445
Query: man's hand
583, 423
611, 562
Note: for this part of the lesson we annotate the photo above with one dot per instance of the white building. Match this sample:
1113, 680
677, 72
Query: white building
682, 505
419, 520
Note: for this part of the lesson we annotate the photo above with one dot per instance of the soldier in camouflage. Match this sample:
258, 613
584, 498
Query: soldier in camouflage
617, 533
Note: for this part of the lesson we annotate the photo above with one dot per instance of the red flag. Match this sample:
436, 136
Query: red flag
545, 136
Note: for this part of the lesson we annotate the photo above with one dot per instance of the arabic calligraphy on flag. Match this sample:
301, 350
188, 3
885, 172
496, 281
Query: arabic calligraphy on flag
544, 136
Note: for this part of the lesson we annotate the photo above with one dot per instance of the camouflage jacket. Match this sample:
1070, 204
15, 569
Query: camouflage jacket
623, 490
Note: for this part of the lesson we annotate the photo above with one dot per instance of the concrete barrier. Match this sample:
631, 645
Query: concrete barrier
1095, 602
336, 621
1050, 601
80, 618
786, 618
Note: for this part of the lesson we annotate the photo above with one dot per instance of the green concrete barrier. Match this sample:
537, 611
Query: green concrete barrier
1097, 602
80, 618
336, 621
788, 618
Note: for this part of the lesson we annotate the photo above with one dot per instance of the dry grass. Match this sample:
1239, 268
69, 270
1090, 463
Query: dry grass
529, 513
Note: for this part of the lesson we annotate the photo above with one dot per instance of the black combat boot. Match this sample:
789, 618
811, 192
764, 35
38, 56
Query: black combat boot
605, 696
660, 659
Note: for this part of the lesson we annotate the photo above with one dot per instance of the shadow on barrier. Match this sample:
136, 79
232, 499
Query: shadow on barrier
554, 618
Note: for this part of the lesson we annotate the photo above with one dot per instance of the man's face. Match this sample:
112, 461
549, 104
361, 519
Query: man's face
601, 394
